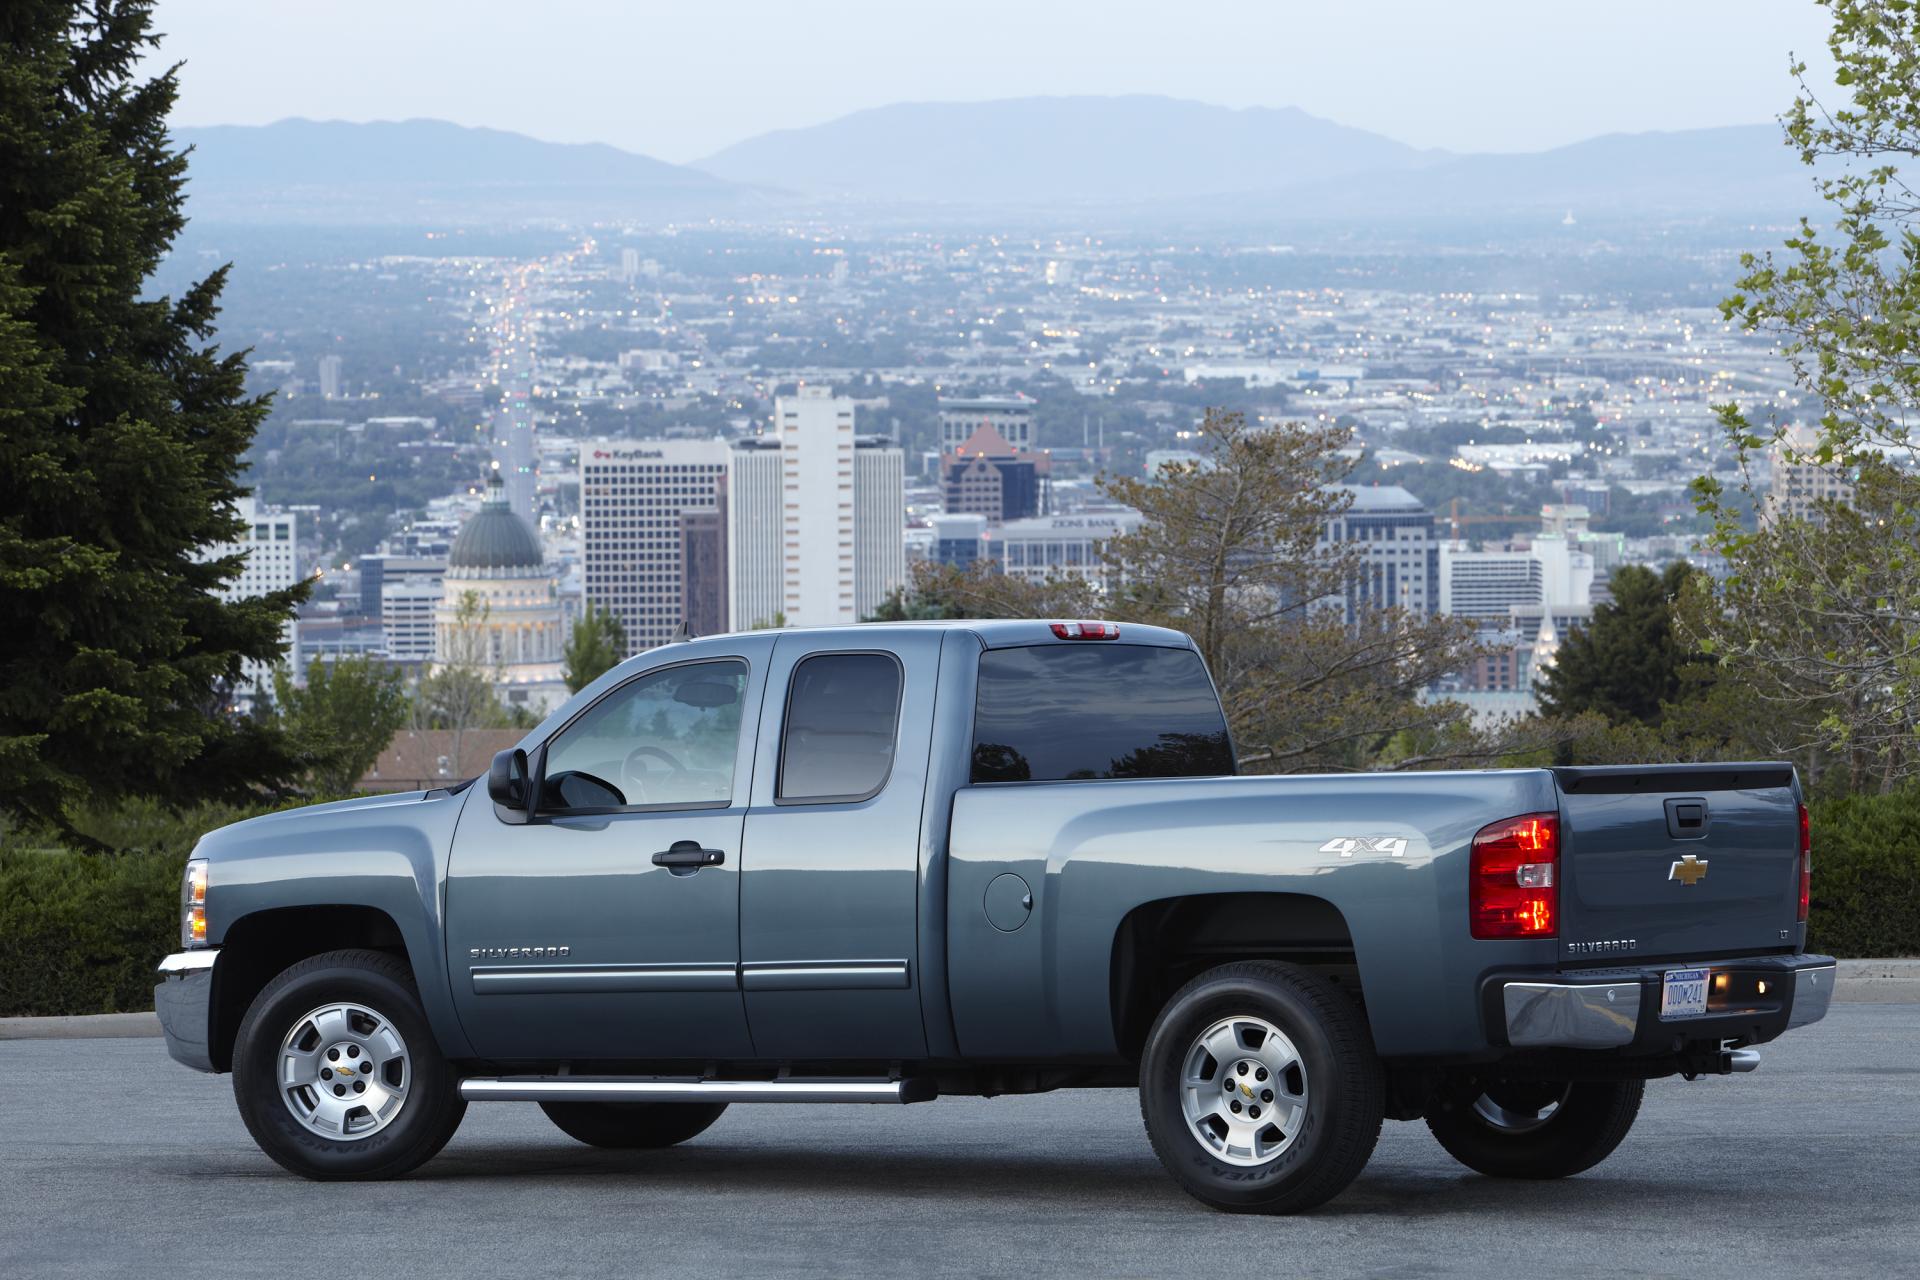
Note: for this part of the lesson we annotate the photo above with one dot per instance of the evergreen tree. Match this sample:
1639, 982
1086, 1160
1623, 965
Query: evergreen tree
595, 646
121, 433
1628, 664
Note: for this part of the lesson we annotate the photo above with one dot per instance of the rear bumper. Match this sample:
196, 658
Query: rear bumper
183, 998
1750, 1000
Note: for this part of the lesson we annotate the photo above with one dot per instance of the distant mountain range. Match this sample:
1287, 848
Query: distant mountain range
395, 170
1047, 150
1133, 158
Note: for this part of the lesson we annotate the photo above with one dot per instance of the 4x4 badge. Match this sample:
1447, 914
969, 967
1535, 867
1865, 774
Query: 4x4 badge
1347, 846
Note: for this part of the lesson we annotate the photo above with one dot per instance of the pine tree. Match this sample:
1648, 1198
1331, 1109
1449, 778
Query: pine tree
1628, 664
121, 433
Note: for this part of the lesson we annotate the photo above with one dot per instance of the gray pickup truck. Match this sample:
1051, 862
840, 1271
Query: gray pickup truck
882, 863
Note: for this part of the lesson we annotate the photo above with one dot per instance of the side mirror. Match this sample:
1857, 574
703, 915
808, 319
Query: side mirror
507, 779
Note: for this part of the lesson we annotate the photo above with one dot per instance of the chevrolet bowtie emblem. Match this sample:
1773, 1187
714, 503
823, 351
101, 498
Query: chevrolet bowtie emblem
343, 1071
1688, 870
1244, 1089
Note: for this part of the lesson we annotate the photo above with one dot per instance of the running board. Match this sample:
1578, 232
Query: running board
670, 1089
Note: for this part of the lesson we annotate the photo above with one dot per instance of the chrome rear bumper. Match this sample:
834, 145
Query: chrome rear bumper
1617, 1008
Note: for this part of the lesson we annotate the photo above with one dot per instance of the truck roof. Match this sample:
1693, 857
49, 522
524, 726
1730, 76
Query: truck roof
994, 633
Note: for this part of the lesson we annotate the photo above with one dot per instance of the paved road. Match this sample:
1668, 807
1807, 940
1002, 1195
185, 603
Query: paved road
117, 1162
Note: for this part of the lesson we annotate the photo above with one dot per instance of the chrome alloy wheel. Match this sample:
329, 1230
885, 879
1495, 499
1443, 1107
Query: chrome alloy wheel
344, 1071
1520, 1108
1243, 1090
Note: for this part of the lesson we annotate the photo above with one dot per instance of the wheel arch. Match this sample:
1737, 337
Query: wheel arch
256, 947
1159, 946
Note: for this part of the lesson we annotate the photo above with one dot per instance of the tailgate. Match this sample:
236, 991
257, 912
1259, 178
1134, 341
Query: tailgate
1680, 861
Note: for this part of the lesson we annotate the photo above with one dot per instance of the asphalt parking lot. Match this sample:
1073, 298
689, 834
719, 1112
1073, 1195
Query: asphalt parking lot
121, 1163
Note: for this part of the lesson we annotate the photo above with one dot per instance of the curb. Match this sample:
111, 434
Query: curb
100, 1026
1857, 982
1877, 982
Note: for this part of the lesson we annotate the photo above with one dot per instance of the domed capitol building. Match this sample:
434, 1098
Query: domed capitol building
514, 629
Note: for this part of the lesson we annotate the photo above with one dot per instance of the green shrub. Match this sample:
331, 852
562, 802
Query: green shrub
1866, 875
81, 932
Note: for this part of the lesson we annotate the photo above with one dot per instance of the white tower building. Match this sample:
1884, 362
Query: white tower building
816, 518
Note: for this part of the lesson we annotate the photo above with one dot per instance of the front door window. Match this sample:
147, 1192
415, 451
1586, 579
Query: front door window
665, 740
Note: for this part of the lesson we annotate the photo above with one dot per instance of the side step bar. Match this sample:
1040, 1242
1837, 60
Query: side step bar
674, 1089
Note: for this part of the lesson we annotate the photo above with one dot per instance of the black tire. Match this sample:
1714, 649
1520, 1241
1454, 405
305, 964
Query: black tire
1343, 1086
627, 1126
1586, 1122
424, 1121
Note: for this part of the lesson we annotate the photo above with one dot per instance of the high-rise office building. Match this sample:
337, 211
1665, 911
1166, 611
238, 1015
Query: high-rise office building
1060, 546
633, 495
1400, 564
879, 521
629, 265
816, 518
987, 476
756, 591
330, 377
703, 566
270, 544
1010, 416
1801, 482
407, 618
1488, 586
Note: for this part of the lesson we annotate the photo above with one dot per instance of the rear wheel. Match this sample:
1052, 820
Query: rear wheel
1530, 1129
629, 1125
337, 1073
1260, 1089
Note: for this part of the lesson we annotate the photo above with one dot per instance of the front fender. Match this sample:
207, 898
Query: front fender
388, 853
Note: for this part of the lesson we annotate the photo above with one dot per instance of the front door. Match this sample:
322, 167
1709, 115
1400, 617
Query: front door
607, 925
831, 874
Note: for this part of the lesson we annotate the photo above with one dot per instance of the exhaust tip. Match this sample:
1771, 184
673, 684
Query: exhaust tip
1743, 1060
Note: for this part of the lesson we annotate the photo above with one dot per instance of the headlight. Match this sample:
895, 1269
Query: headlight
193, 904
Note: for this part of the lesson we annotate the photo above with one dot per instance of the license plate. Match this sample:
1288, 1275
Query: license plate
1683, 994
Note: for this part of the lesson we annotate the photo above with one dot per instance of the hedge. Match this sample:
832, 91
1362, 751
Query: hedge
81, 932
1866, 875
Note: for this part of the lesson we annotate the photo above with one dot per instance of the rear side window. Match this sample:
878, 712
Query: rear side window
1059, 712
842, 711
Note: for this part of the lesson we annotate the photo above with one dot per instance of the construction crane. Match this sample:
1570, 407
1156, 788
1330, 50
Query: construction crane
1457, 520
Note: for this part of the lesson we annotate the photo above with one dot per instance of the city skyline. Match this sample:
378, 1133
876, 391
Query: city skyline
1499, 78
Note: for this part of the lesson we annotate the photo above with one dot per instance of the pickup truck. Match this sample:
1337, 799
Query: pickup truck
882, 863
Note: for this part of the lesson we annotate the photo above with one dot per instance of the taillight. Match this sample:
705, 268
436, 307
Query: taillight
1514, 891
1806, 863
1087, 630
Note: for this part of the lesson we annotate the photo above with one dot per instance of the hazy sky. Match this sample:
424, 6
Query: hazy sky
681, 80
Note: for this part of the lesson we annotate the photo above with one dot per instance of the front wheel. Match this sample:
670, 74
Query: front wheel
632, 1125
1260, 1088
337, 1073
1530, 1129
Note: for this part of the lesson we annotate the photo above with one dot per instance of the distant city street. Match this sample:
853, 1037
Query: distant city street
121, 1163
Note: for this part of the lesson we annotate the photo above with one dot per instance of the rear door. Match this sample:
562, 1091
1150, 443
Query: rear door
1678, 861
830, 879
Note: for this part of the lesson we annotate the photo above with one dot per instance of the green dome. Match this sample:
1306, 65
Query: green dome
496, 538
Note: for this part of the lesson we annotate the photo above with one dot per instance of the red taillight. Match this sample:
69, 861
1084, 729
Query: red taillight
1087, 630
1515, 891
1806, 863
